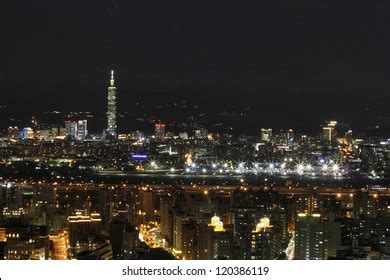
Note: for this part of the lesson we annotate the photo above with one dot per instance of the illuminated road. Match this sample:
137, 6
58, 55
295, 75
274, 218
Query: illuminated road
339, 192
151, 235
291, 248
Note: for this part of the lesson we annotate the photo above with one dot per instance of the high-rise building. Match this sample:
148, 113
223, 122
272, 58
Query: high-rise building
266, 134
124, 239
165, 206
27, 133
329, 131
147, 205
265, 242
315, 240
290, 135
215, 242
117, 235
111, 108
82, 129
71, 128
309, 238
332, 239
83, 226
131, 242
190, 240
178, 221
159, 130
365, 205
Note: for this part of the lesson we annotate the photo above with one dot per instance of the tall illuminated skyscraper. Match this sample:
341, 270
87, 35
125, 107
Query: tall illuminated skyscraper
159, 130
266, 134
82, 129
111, 108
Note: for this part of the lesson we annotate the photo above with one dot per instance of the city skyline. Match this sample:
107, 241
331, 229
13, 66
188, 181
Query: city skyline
230, 114
194, 131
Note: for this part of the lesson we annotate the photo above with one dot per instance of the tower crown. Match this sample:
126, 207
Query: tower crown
112, 80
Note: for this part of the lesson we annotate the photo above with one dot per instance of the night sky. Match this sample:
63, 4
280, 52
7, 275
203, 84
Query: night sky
58, 53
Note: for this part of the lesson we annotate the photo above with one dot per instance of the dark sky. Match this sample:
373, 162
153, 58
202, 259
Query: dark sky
55, 51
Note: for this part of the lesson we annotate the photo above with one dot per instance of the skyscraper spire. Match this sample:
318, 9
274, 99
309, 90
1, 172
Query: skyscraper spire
112, 81
111, 108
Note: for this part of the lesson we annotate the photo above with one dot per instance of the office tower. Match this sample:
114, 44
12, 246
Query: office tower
311, 203
309, 238
111, 108
83, 226
329, 131
265, 242
159, 131
244, 218
290, 135
266, 134
71, 128
27, 133
82, 129
137, 135
215, 242
315, 240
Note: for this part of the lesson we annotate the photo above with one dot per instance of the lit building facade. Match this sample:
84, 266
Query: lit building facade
112, 108
82, 129
316, 240
25, 242
159, 130
329, 131
83, 226
265, 242
266, 134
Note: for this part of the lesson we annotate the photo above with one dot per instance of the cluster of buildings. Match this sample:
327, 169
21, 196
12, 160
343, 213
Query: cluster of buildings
192, 222
66, 193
